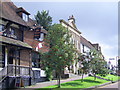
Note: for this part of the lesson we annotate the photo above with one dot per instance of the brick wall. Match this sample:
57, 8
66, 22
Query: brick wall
29, 38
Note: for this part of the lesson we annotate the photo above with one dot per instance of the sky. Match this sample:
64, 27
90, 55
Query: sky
98, 21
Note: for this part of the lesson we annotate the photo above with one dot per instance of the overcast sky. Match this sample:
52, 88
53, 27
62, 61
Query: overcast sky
98, 21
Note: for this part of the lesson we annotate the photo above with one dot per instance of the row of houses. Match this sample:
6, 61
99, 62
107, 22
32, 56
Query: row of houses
81, 44
21, 40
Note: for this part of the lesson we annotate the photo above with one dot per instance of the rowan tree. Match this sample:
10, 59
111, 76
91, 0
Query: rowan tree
61, 53
85, 65
97, 64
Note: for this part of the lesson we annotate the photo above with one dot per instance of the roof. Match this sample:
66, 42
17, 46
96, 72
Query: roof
14, 42
86, 42
8, 11
70, 26
20, 9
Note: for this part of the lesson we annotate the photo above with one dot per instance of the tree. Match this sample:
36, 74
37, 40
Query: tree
98, 65
61, 53
44, 19
85, 66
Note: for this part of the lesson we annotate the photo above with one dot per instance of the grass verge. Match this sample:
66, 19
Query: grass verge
77, 84
88, 82
111, 77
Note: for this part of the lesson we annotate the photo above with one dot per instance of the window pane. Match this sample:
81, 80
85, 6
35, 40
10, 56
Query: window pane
25, 17
1, 27
41, 36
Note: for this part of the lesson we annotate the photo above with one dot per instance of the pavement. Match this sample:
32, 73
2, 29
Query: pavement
112, 86
54, 82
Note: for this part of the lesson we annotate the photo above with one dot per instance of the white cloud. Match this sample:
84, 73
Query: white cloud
109, 51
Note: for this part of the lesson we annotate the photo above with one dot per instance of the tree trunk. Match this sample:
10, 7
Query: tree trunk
82, 77
59, 77
94, 76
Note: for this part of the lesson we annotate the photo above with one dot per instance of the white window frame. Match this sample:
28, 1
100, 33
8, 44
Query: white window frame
25, 17
41, 37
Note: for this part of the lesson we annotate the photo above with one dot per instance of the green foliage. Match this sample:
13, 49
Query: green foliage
48, 73
98, 65
85, 66
61, 53
44, 19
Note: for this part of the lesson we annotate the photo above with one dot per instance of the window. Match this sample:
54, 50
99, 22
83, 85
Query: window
25, 17
1, 27
12, 31
77, 45
35, 60
82, 48
41, 37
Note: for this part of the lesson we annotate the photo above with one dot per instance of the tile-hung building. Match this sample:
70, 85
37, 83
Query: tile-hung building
86, 46
20, 42
81, 44
75, 38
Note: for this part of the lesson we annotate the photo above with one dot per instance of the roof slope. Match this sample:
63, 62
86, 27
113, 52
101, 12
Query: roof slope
8, 11
86, 42
69, 25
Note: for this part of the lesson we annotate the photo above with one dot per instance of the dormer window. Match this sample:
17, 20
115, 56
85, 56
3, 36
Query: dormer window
25, 17
23, 13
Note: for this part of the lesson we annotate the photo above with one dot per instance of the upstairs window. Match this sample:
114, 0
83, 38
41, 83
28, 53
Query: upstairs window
1, 27
12, 31
25, 17
35, 60
38, 35
41, 37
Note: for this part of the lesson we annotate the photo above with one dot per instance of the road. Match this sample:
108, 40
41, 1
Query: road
113, 86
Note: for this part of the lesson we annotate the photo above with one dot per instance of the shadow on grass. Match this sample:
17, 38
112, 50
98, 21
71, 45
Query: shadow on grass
90, 81
71, 84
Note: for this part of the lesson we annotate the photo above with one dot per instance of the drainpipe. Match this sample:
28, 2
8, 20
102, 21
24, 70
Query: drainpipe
15, 62
30, 68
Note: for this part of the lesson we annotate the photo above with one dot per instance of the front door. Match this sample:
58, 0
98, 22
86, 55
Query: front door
11, 55
14, 56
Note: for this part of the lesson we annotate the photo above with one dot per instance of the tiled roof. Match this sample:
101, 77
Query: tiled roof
86, 42
9, 12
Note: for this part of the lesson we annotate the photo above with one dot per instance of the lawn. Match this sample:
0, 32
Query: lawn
112, 77
88, 82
